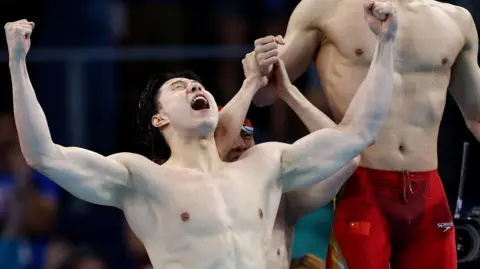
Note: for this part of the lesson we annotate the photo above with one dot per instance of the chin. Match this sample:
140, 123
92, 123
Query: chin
205, 128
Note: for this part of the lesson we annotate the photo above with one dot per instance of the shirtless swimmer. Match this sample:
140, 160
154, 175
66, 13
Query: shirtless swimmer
191, 212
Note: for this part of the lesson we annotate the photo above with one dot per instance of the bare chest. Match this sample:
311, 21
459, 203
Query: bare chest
191, 203
427, 38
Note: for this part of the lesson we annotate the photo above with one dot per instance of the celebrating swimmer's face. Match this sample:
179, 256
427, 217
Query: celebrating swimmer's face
187, 107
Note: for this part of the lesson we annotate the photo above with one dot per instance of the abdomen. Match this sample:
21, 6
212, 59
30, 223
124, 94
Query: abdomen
408, 139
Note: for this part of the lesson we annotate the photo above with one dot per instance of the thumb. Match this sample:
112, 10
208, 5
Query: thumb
279, 40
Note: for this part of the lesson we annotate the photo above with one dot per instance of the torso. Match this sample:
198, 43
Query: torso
280, 250
428, 42
188, 219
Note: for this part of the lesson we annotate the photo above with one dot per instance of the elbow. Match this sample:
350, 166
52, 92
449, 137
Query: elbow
355, 162
40, 160
37, 163
371, 141
366, 139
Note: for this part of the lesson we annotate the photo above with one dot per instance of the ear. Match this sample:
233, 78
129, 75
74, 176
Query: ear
160, 121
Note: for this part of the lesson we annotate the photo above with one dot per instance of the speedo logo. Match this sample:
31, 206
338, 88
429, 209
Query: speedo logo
445, 226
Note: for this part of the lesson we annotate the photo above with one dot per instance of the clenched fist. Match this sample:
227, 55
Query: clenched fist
18, 38
381, 18
266, 52
252, 71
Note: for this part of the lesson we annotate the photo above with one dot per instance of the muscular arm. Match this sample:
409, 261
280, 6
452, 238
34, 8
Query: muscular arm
303, 35
305, 201
320, 154
301, 40
465, 80
233, 114
85, 174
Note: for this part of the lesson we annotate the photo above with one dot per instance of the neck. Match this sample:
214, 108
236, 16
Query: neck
195, 153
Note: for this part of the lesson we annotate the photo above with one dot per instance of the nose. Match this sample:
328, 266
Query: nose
195, 87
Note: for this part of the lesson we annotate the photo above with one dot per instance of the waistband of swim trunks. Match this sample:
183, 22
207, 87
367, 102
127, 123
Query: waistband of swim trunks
396, 174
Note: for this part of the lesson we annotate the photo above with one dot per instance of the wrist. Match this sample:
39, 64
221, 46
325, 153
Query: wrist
386, 38
15, 61
287, 93
253, 82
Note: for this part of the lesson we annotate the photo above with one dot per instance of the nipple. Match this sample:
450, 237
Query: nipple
260, 213
359, 52
185, 216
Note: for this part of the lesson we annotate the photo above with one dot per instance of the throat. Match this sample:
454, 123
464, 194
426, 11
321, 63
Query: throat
200, 155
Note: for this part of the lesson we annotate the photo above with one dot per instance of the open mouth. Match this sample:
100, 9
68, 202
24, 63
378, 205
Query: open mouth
199, 103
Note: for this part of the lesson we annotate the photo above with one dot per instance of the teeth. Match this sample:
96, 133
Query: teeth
199, 97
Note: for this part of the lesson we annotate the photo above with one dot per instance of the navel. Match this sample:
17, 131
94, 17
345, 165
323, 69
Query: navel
444, 61
185, 216
278, 252
359, 52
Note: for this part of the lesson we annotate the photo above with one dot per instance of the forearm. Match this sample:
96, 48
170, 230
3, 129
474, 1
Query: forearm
310, 115
33, 132
370, 105
233, 115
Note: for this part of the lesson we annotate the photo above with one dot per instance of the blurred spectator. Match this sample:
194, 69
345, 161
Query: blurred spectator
27, 202
61, 254
58, 255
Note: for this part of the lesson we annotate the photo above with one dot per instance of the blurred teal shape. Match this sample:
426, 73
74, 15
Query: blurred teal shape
312, 233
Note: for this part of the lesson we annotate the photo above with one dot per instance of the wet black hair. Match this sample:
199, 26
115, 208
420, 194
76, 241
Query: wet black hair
148, 106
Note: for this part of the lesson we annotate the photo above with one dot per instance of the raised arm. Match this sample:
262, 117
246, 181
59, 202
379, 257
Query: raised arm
319, 155
302, 38
234, 112
305, 201
85, 174
465, 80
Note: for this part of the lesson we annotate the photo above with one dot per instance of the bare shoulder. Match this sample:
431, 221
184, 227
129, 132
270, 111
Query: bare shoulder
265, 152
459, 14
269, 147
312, 13
131, 161
127, 157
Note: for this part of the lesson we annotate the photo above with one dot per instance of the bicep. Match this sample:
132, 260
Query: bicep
318, 156
302, 37
86, 174
465, 75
